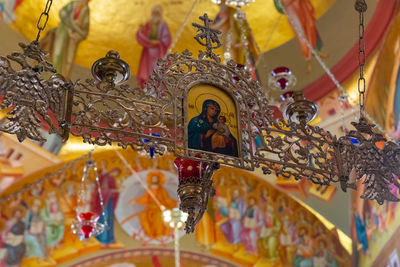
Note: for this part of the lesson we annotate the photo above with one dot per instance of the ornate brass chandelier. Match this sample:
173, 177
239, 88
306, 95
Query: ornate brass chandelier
103, 110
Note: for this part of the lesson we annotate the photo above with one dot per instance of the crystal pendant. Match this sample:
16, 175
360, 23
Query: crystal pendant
87, 225
281, 80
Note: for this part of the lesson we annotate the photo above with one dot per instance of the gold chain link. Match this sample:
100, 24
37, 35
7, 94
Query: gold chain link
361, 7
43, 19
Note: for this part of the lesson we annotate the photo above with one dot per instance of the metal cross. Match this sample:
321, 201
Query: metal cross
210, 36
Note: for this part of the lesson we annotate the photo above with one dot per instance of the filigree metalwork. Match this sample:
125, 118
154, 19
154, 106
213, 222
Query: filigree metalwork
367, 156
103, 112
31, 97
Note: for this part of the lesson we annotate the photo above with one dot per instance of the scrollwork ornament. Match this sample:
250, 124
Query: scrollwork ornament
30, 96
373, 160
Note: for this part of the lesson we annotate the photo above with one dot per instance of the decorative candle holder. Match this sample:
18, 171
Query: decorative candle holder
194, 189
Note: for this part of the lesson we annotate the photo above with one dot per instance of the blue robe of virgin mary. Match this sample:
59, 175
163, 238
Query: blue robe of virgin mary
199, 126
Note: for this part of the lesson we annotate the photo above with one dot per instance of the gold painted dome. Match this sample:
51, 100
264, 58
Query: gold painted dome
113, 24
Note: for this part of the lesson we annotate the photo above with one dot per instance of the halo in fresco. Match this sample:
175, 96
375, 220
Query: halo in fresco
136, 208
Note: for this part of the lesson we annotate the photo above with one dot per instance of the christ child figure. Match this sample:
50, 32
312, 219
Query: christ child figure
221, 137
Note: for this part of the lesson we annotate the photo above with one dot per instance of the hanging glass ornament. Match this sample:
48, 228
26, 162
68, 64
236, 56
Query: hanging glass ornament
152, 149
235, 3
86, 223
283, 81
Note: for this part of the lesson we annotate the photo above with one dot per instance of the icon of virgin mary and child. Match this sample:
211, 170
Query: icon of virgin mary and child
209, 131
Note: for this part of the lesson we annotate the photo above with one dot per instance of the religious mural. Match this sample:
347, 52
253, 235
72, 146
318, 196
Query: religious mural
110, 194
301, 16
157, 257
383, 91
143, 198
62, 42
155, 38
213, 122
11, 169
37, 223
248, 221
373, 227
254, 224
7, 9
237, 38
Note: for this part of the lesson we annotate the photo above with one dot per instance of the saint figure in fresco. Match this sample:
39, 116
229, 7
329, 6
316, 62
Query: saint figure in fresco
318, 230
361, 232
268, 242
283, 205
151, 218
236, 33
264, 194
155, 38
54, 218
221, 198
304, 250
201, 131
3, 250
7, 8
286, 238
301, 218
63, 41
110, 196
251, 225
233, 226
322, 255
68, 202
14, 240
301, 16
394, 116
205, 231
35, 235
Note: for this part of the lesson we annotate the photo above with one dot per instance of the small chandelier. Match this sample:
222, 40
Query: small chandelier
175, 218
86, 223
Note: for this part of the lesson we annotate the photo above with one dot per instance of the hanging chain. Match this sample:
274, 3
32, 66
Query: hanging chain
43, 19
103, 212
361, 7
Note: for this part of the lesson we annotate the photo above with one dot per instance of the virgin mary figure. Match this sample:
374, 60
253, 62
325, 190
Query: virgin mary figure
201, 129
